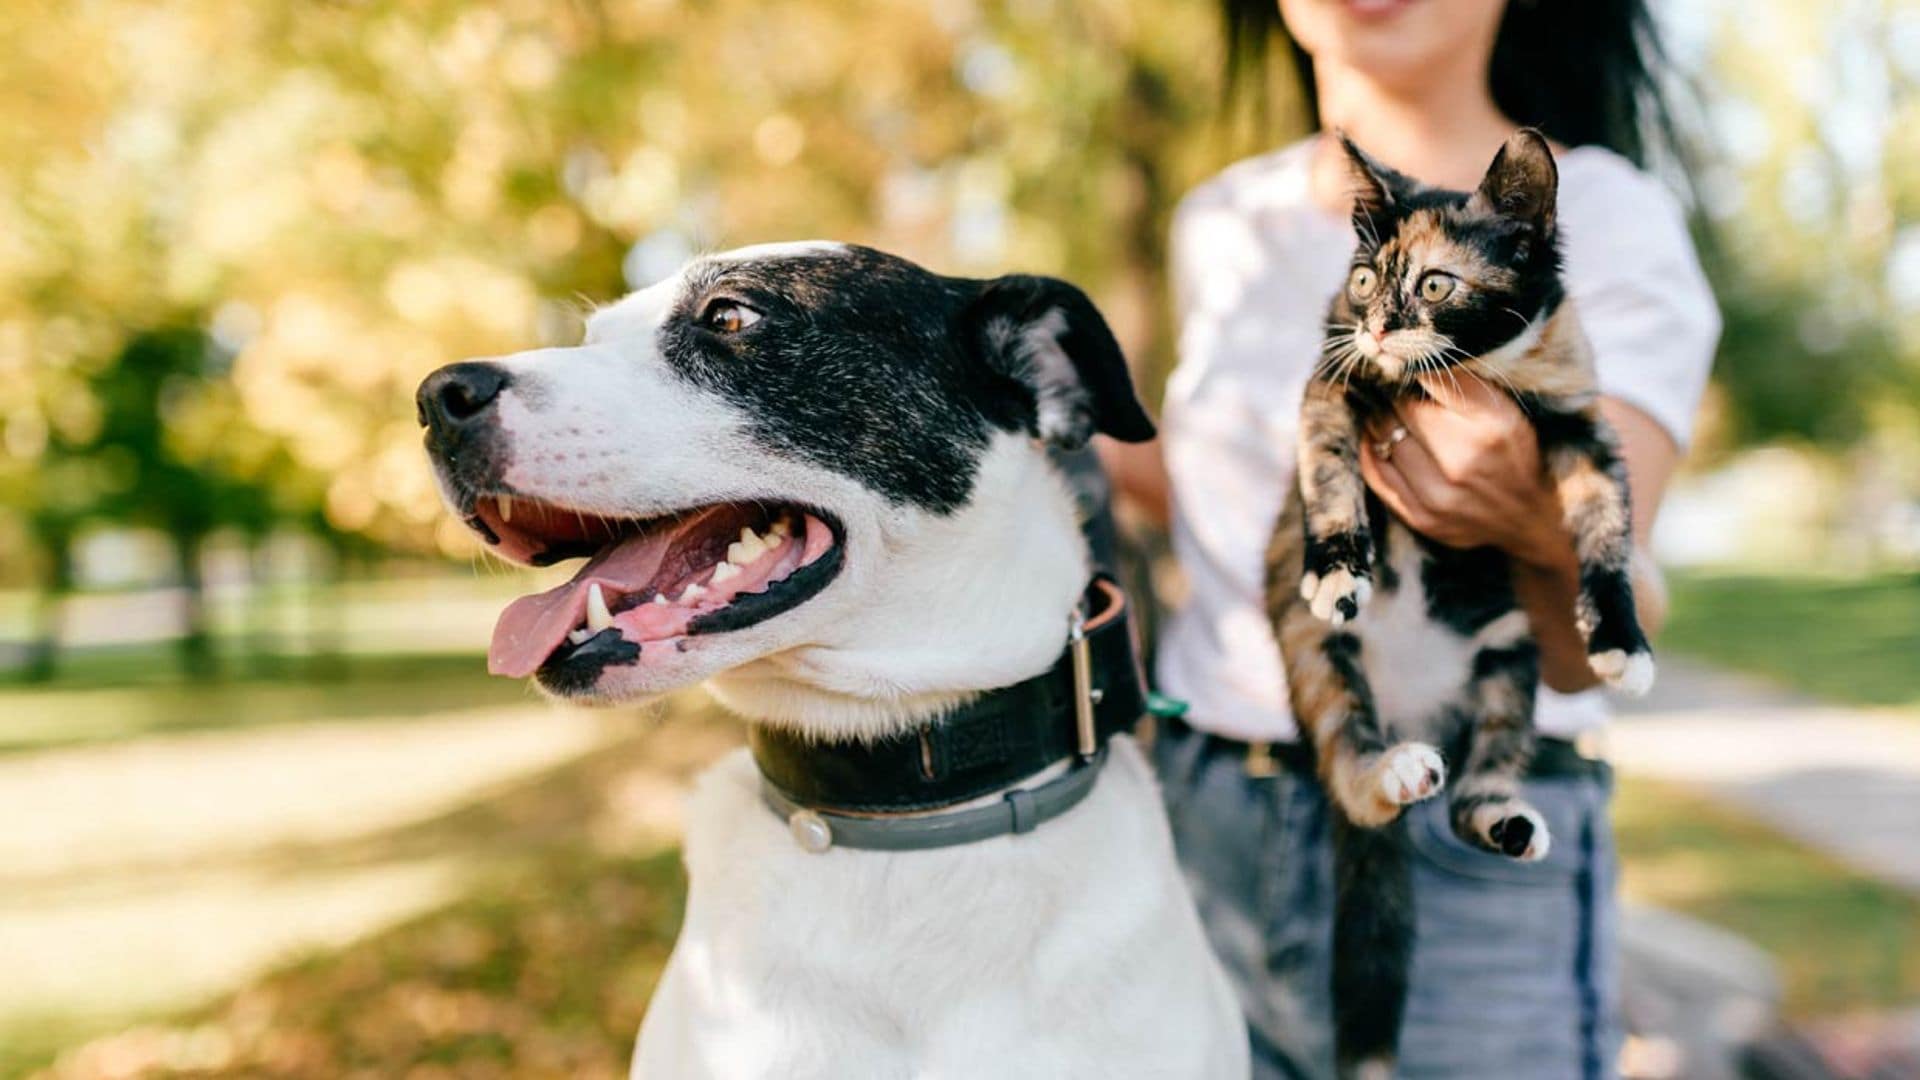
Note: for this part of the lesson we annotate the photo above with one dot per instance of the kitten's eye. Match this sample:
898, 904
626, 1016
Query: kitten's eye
1437, 286
1362, 282
728, 317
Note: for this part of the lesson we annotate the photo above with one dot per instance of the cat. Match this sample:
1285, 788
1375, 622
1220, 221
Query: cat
1403, 655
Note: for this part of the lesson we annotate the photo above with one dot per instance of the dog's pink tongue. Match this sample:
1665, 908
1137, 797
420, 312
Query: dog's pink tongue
533, 626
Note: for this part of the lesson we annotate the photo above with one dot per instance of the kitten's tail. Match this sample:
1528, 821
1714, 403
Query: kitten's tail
1372, 945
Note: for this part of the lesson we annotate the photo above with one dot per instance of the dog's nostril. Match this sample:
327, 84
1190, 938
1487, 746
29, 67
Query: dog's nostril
458, 393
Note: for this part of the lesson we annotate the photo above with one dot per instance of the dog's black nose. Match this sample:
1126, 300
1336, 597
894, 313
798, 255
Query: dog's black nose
458, 394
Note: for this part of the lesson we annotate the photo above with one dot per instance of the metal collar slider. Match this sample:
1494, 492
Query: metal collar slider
1085, 696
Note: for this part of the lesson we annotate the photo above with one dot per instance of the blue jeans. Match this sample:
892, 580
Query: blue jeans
1514, 969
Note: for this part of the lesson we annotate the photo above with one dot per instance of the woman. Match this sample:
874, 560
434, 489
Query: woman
1514, 974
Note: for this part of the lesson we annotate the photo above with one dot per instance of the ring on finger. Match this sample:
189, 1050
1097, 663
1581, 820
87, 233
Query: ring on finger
1384, 448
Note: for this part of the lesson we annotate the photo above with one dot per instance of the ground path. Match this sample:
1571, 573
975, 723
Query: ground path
148, 874
1845, 780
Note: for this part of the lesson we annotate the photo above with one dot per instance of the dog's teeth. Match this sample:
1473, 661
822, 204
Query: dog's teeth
598, 617
693, 591
746, 549
725, 571
580, 636
661, 599
505, 502
781, 528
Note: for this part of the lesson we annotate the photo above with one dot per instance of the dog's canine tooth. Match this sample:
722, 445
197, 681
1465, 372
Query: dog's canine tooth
724, 572
580, 636
505, 502
693, 591
598, 617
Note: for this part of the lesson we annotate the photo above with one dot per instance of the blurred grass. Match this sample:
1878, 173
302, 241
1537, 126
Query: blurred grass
400, 647
120, 697
1843, 941
1851, 639
542, 969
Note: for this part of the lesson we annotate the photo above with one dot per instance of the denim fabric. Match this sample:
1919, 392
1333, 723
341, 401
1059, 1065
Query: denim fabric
1514, 971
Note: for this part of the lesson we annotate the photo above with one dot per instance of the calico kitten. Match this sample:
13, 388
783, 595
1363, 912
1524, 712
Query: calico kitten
1405, 657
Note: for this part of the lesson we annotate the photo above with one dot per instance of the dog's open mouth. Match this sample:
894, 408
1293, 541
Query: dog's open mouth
650, 583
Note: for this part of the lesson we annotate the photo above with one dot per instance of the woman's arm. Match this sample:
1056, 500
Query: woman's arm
1139, 474
1469, 474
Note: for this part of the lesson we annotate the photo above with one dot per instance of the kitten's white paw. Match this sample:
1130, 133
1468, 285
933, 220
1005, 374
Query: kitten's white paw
1522, 835
1411, 772
1324, 596
1629, 673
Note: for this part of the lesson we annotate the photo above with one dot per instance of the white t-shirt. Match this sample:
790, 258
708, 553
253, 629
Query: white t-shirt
1255, 261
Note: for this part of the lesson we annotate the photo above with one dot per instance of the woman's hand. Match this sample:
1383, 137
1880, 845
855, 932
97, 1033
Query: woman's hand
1467, 473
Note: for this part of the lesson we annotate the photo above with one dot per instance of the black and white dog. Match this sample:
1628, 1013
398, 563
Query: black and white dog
817, 477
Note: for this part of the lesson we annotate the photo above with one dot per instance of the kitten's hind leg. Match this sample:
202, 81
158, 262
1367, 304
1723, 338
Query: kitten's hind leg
1369, 778
1485, 805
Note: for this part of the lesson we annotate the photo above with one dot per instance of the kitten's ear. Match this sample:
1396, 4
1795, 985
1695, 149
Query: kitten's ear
1522, 182
1376, 189
1049, 339
1371, 194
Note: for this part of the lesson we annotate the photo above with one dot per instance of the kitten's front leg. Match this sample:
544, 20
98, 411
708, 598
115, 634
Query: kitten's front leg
1338, 552
1584, 461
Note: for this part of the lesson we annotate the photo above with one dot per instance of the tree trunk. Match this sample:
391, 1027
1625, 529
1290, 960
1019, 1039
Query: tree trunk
49, 609
196, 639
263, 610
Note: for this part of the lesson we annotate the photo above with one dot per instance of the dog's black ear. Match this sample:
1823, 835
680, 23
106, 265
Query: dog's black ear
1047, 337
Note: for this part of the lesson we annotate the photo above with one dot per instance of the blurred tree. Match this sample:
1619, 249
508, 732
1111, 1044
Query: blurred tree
362, 192
341, 197
1814, 179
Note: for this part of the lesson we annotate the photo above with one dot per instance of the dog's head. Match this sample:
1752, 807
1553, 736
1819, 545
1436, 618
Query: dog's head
769, 453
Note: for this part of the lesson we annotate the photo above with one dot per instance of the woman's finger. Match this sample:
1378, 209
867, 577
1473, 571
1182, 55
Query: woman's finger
1458, 392
1388, 482
1416, 464
1427, 423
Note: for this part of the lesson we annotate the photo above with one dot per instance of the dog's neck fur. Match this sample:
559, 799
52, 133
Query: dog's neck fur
951, 607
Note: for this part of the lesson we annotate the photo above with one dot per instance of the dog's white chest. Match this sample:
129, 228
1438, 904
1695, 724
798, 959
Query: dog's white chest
1069, 951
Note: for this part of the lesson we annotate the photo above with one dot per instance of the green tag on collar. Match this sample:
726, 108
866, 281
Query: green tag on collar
1163, 707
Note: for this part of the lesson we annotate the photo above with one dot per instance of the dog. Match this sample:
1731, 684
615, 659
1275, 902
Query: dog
817, 477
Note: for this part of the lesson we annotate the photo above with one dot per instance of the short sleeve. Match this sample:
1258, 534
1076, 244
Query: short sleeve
1203, 222
1641, 295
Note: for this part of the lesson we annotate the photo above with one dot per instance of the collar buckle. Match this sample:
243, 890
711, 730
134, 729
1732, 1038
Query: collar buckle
1085, 697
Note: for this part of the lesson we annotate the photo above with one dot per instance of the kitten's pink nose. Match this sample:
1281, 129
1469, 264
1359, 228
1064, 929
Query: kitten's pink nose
1379, 334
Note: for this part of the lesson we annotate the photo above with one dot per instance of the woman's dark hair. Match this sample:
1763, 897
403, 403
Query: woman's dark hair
1580, 70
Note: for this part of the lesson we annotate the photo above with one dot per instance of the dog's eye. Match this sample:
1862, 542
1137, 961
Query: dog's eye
728, 317
1437, 286
1362, 281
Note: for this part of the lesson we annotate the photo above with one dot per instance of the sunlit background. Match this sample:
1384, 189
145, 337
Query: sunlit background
263, 812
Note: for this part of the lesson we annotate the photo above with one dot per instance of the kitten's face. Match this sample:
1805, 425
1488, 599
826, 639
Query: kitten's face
1439, 277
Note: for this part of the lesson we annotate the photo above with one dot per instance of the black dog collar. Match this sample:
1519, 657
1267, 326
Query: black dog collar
989, 745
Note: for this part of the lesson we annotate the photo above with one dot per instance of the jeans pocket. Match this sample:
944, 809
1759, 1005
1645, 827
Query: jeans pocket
1432, 837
